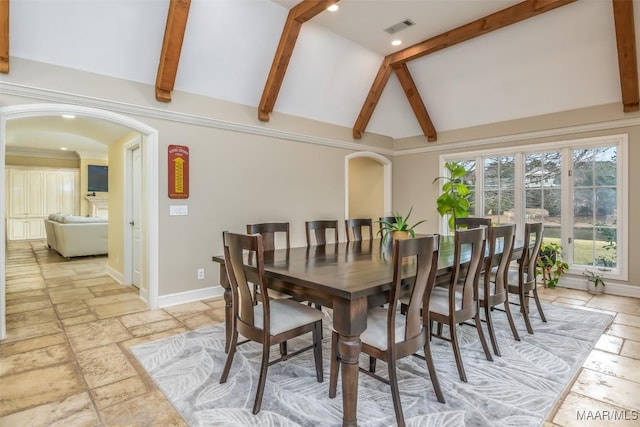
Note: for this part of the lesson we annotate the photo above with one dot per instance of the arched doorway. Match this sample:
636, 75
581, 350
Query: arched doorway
367, 185
149, 178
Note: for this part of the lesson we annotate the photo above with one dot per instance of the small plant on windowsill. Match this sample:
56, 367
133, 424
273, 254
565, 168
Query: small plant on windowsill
593, 281
398, 229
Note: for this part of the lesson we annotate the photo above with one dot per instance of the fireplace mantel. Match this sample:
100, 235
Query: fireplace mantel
99, 205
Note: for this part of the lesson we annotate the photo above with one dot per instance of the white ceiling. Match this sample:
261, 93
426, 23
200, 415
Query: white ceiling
85, 136
561, 60
364, 21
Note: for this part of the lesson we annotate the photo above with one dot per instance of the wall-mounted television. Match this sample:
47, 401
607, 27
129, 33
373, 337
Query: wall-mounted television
98, 178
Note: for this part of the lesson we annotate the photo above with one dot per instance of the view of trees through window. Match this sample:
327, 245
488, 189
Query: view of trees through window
588, 222
594, 206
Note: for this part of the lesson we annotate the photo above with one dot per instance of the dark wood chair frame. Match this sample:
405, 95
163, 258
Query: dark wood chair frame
526, 278
243, 311
268, 231
494, 282
355, 225
471, 222
319, 227
417, 330
465, 281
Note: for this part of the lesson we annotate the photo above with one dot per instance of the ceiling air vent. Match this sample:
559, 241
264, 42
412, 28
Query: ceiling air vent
399, 26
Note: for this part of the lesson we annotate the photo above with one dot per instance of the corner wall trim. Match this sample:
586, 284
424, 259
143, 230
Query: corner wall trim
591, 127
190, 296
174, 116
619, 289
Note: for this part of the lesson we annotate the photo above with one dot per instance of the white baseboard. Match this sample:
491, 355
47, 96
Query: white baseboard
611, 288
117, 276
190, 296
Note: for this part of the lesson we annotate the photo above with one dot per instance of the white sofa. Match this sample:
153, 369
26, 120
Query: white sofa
72, 235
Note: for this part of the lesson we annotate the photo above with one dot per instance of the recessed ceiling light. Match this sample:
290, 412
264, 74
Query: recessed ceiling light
333, 8
63, 148
68, 116
396, 42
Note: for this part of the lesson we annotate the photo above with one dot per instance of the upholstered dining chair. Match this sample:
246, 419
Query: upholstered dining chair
269, 323
492, 290
391, 336
523, 281
269, 231
355, 226
458, 302
471, 222
320, 228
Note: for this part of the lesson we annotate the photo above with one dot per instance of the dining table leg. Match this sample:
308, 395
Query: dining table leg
349, 321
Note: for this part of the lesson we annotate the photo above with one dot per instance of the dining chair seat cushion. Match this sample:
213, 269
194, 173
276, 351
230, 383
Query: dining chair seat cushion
277, 295
376, 333
440, 301
286, 315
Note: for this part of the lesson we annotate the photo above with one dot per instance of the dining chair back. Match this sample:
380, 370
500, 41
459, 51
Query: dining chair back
388, 219
391, 336
320, 228
269, 232
492, 290
471, 222
458, 302
270, 323
356, 225
523, 282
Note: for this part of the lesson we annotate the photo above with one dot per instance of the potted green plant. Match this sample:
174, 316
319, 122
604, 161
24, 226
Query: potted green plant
550, 264
399, 227
454, 200
593, 281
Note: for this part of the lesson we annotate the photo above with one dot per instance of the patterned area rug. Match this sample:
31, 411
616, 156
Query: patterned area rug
517, 389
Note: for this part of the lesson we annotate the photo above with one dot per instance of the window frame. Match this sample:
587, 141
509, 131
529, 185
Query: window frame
621, 141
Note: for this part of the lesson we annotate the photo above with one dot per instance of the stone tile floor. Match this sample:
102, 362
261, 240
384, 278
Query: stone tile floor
66, 358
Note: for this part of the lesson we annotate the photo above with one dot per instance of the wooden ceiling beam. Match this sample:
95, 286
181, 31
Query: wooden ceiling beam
410, 89
4, 36
171, 48
299, 14
495, 21
500, 19
372, 98
627, 60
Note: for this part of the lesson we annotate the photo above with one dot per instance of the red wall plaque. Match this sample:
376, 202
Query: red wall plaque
178, 172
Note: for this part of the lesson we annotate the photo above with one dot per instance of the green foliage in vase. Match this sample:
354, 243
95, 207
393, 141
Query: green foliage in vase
401, 224
550, 264
454, 200
594, 278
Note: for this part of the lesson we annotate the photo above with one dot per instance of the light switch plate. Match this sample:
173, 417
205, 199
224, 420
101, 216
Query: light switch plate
178, 210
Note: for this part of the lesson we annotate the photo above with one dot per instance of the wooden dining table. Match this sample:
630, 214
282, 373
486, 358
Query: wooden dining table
348, 277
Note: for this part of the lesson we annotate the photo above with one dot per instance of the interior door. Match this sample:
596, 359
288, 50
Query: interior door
136, 217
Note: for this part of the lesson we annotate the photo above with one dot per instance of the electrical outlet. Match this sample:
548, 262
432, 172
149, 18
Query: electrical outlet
200, 273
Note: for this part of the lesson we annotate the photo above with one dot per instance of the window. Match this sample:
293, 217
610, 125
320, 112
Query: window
576, 188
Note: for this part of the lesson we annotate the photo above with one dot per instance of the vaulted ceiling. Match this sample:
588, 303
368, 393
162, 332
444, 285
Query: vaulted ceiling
564, 58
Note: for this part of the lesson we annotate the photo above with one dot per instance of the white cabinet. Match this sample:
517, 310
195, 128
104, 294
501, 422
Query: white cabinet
25, 197
33, 193
21, 229
61, 192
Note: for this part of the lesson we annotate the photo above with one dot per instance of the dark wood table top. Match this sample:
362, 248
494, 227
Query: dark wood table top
347, 270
